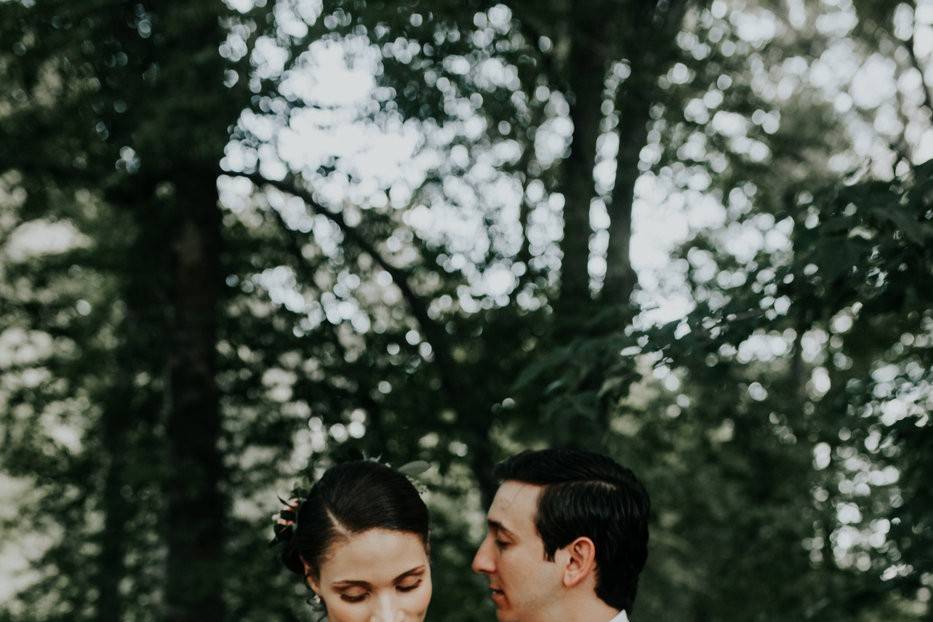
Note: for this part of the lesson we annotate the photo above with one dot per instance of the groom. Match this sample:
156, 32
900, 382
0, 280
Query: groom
568, 535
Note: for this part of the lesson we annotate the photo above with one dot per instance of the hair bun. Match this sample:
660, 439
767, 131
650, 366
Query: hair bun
283, 529
292, 559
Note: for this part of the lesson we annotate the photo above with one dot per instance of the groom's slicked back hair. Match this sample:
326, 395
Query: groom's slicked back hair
589, 495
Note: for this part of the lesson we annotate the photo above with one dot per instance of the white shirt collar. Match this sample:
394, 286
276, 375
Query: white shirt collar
622, 617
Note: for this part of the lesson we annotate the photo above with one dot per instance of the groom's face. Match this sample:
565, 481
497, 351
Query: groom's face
523, 583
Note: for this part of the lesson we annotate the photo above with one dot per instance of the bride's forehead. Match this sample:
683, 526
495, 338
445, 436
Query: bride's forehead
375, 553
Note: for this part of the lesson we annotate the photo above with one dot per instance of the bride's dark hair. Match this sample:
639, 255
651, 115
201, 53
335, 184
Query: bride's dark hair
350, 498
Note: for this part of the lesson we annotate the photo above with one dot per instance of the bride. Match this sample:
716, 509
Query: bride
360, 540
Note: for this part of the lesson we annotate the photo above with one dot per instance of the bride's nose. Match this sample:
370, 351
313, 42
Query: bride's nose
388, 610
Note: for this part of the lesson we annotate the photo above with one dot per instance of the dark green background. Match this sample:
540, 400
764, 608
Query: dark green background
143, 419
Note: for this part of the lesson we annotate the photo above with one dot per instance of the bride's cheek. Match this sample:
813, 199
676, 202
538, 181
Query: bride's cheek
424, 598
416, 601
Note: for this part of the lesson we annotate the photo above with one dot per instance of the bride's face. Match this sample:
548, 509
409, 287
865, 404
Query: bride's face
375, 576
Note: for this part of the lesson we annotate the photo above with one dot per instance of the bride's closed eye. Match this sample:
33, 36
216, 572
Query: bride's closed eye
358, 597
408, 587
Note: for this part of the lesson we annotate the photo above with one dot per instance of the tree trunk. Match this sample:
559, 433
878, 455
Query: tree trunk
586, 71
195, 503
634, 109
190, 89
111, 567
650, 47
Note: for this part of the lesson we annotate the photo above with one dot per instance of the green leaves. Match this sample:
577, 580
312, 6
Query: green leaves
381, 339
858, 280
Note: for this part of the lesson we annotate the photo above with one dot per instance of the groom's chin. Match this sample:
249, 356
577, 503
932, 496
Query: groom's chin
505, 614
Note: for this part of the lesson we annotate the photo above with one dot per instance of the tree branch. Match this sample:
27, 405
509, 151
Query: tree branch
673, 18
363, 394
534, 34
472, 413
434, 334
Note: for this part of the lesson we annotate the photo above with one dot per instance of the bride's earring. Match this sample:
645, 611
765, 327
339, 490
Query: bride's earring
315, 598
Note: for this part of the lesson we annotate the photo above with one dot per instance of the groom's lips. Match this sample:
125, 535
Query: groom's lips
498, 596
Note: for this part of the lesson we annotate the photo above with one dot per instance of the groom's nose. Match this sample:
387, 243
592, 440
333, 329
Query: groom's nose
484, 560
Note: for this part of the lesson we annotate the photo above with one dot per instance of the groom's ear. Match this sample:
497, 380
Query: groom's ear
580, 561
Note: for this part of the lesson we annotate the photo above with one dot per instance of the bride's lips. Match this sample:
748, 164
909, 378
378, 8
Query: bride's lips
498, 596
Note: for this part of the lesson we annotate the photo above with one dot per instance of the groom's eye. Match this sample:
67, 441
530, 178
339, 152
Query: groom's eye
501, 544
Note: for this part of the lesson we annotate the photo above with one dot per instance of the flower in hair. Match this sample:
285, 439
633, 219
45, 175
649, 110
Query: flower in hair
411, 470
414, 469
284, 520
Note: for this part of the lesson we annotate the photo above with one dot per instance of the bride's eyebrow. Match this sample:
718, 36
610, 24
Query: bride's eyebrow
418, 570
347, 583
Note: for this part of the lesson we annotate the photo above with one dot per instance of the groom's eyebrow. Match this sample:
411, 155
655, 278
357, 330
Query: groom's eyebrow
496, 526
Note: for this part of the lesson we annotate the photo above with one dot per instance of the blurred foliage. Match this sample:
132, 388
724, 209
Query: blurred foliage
781, 426
827, 459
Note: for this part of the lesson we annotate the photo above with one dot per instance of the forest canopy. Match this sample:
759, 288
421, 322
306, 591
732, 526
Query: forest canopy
241, 241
